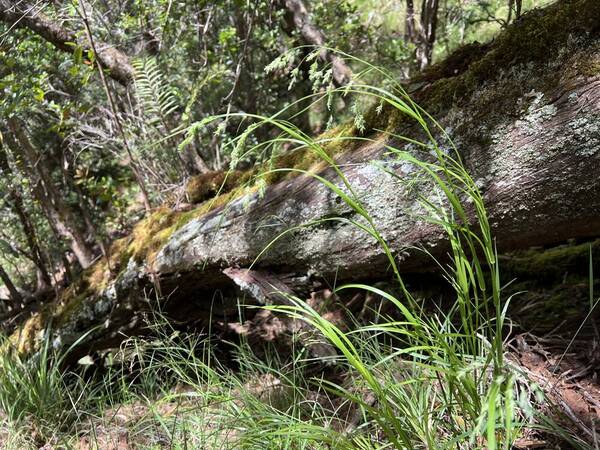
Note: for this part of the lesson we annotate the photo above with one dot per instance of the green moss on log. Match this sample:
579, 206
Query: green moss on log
202, 187
551, 287
537, 38
552, 264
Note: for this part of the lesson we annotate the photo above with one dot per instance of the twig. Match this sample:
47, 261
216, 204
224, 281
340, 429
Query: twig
576, 420
590, 398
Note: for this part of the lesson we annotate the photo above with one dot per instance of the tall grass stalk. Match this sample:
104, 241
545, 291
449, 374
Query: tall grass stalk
36, 391
444, 381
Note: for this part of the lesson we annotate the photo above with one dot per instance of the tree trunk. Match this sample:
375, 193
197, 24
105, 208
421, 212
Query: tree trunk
523, 113
43, 276
50, 199
422, 33
297, 18
429, 19
25, 15
514, 5
15, 296
16, 202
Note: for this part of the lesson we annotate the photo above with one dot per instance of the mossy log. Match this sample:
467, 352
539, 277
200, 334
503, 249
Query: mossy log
523, 111
527, 130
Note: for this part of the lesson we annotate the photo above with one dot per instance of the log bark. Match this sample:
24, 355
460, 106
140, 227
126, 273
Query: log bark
26, 15
523, 113
526, 128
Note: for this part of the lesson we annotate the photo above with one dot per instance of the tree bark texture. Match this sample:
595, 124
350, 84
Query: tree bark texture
422, 32
16, 203
51, 201
14, 294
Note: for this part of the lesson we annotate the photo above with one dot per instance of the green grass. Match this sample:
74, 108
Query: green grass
417, 377
443, 382
37, 395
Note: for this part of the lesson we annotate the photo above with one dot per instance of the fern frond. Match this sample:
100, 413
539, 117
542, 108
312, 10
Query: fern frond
156, 97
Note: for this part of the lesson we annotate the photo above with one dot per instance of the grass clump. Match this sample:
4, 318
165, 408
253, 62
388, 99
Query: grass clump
440, 379
37, 397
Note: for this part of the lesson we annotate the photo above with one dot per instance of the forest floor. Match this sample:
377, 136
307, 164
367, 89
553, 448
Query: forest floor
563, 364
569, 379
568, 373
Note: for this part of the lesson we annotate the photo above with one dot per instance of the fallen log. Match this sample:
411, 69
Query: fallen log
525, 121
523, 112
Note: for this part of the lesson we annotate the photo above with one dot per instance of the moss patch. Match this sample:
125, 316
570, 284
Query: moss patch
552, 264
590, 67
537, 37
456, 64
150, 232
26, 339
202, 187
551, 286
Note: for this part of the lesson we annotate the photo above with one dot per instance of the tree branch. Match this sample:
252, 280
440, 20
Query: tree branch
24, 15
297, 17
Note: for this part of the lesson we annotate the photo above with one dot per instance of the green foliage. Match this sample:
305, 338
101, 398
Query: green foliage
417, 376
156, 98
192, 61
461, 350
